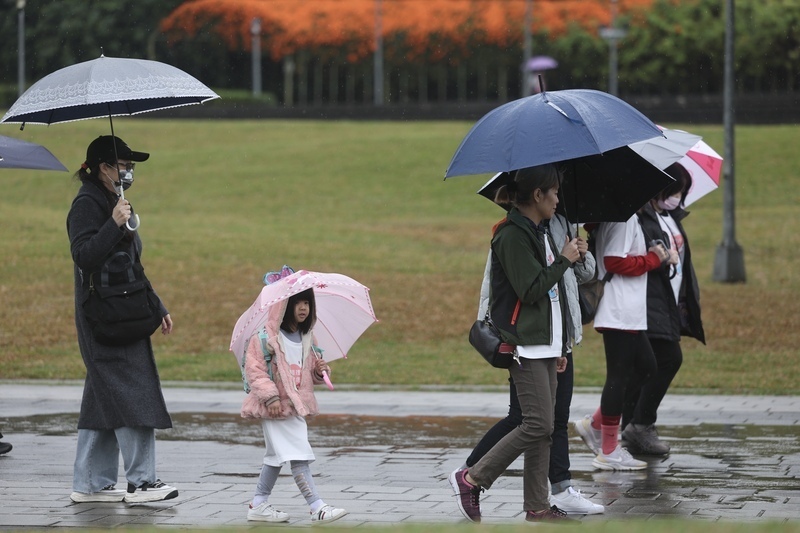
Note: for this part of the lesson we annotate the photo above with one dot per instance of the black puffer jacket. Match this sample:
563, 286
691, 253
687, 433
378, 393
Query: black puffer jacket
666, 319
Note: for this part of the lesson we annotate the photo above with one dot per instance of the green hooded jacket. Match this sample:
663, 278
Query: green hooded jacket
520, 282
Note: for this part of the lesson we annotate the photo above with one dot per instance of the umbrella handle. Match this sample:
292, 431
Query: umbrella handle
327, 380
136, 222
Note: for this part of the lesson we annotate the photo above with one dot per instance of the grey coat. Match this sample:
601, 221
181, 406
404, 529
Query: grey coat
122, 387
579, 273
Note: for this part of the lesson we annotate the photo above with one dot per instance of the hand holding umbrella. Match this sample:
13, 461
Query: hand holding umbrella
322, 367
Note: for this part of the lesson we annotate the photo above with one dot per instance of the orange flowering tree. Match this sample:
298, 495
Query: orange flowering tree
292, 25
414, 32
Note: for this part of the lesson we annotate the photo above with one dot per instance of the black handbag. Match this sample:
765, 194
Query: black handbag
122, 308
485, 338
589, 295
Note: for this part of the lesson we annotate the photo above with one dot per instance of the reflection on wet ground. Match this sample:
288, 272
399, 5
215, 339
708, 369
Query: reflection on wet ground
706, 455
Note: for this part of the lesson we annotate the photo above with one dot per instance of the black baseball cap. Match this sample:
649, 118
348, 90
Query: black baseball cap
101, 150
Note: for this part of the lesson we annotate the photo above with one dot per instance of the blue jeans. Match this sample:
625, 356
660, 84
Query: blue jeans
97, 458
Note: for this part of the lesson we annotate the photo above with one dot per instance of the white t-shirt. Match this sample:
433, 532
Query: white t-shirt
543, 351
624, 302
669, 227
293, 350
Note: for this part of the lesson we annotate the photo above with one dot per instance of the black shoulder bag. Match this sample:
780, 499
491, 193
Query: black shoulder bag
485, 338
121, 307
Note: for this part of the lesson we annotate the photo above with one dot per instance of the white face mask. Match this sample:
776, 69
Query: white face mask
670, 203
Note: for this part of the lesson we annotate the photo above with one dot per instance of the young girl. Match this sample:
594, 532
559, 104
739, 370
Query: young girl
281, 369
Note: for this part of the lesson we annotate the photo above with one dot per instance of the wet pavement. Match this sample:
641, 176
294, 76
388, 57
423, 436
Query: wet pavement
385, 455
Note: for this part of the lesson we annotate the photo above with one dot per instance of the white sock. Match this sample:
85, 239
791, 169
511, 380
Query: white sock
316, 506
259, 499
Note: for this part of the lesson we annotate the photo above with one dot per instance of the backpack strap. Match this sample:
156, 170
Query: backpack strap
263, 336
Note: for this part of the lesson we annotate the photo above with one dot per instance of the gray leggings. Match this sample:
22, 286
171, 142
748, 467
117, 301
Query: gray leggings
302, 476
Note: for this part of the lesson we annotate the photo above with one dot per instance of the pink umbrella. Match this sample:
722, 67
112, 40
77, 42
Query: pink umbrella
344, 312
704, 165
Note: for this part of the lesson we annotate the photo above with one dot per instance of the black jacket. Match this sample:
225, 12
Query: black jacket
666, 319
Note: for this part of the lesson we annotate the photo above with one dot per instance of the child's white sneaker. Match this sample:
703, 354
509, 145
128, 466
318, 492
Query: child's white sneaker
266, 513
328, 513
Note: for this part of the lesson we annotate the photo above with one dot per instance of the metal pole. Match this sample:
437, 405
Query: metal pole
613, 60
21, 46
527, 44
729, 260
378, 67
255, 33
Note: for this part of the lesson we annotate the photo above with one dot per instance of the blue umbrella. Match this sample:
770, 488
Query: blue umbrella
587, 132
547, 128
15, 153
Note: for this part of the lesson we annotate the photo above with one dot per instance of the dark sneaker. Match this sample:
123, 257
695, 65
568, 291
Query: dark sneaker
554, 514
5, 447
106, 494
467, 495
150, 492
643, 440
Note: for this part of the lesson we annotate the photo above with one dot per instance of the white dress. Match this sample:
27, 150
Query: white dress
287, 440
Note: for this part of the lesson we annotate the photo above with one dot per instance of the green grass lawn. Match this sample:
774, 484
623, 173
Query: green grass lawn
222, 202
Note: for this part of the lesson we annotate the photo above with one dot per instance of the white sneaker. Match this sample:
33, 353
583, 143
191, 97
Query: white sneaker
572, 501
328, 513
106, 494
592, 437
266, 513
150, 492
619, 459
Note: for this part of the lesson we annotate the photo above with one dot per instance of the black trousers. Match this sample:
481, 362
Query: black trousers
630, 363
559, 451
642, 403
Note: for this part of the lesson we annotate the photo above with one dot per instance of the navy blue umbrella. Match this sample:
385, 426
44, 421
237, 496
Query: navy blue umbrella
587, 132
547, 128
16, 153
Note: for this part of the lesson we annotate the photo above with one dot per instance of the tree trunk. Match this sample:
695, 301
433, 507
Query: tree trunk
462, 81
442, 84
422, 97
318, 81
502, 83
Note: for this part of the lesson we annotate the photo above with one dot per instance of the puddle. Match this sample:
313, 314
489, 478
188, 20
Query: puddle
705, 459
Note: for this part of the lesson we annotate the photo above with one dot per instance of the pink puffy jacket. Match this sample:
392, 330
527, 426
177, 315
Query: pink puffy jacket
263, 390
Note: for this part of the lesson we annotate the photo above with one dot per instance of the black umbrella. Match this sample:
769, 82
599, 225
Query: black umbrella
608, 187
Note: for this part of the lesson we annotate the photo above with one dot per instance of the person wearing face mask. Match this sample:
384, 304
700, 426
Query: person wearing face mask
673, 310
122, 400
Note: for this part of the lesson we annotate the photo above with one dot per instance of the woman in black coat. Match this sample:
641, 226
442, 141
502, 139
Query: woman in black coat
122, 401
673, 310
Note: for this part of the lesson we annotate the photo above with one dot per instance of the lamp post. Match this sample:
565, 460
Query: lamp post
377, 80
21, 46
613, 35
729, 259
527, 47
255, 34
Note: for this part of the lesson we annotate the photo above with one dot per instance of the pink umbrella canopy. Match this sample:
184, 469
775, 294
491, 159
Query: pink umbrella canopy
344, 311
705, 166
540, 63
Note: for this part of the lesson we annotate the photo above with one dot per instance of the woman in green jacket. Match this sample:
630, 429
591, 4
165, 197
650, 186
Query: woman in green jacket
527, 306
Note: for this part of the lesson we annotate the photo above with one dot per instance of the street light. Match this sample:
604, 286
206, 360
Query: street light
527, 44
377, 79
21, 46
729, 259
613, 35
255, 34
